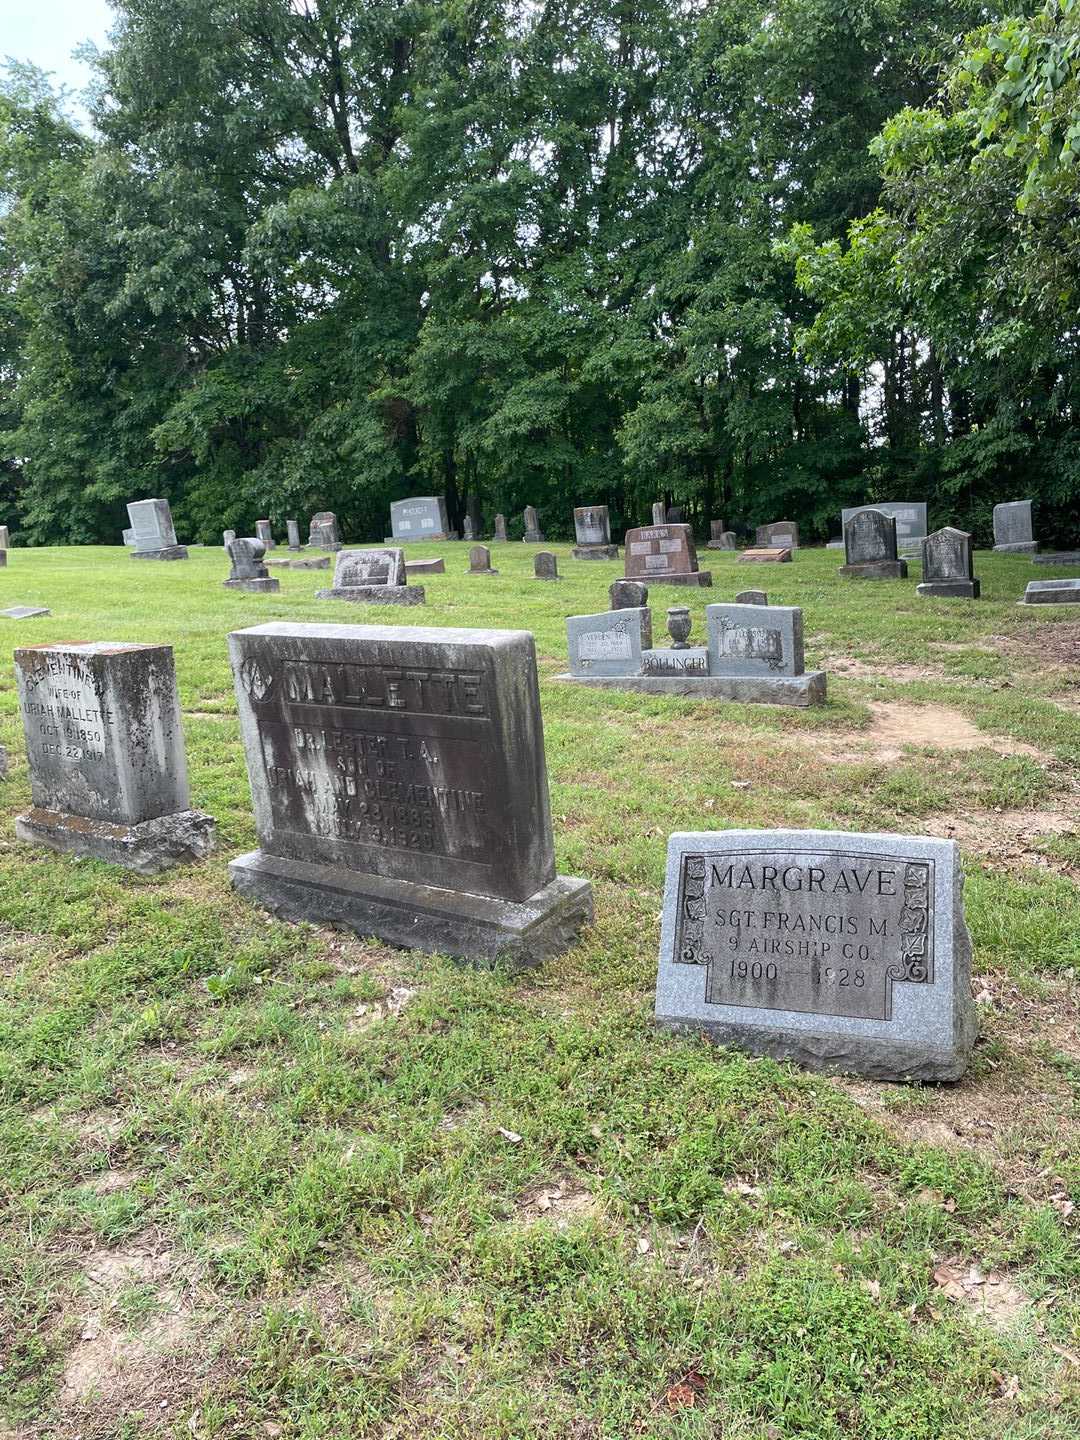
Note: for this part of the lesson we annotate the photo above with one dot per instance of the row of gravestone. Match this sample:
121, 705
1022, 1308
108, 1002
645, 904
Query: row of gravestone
399, 787
151, 534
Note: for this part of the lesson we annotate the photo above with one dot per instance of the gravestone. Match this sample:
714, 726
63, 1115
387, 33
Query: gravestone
870, 548
400, 788
840, 951
664, 555
292, 529
1057, 557
1052, 592
426, 567
104, 742
467, 528
422, 517
910, 517
5, 542
533, 535
592, 530
1013, 533
762, 647
751, 597
675, 515
227, 537
311, 562
947, 565
3, 559
659, 513
265, 534
610, 643
545, 566
372, 577
500, 529
248, 570
153, 533
627, 594
480, 561
24, 612
781, 534
323, 531
716, 536
773, 555
129, 538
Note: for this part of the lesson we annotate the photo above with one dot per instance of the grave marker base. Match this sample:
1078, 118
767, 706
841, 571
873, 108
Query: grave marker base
1057, 557
171, 552
147, 848
699, 578
798, 690
257, 586
375, 594
1051, 592
950, 589
1019, 547
481, 928
595, 552
875, 570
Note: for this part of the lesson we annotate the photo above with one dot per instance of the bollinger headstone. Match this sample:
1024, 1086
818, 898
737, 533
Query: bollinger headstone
659, 513
323, 531
500, 529
1013, 533
664, 555
910, 517
400, 787
948, 569
372, 577
545, 566
840, 951
610, 643
292, 529
248, 568
480, 561
153, 533
751, 597
592, 530
1051, 592
265, 534
422, 517
870, 548
104, 742
743, 641
627, 594
533, 534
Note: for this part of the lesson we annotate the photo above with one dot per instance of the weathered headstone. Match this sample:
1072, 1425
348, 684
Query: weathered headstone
751, 597
1052, 592
910, 517
155, 538
659, 513
5, 541
422, 517
104, 741
627, 594
372, 577
480, 561
609, 643
248, 570
227, 537
947, 565
533, 534
782, 534
500, 529
675, 515
400, 787
265, 534
426, 567
1013, 533
870, 547
664, 555
716, 536
292, 529
545, 566
129, 538
840, 951
467, 528
323, 531
592, 530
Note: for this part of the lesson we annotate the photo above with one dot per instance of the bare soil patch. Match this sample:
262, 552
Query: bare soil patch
896, 725
1051, 646
852, 668
1009, 839
558, 1202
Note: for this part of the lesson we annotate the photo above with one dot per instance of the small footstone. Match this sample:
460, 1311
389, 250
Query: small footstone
372, 577
1052, 592
426, 567
24, 612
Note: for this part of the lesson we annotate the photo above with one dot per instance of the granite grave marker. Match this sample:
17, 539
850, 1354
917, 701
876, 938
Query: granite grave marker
627, 594
480, 561
545, 566
1013, 532
870, 548
372, 577
248, 569
422, 517
153, 533
910, 517
664, 555
609, 643
948, 569
533, 534
592, 530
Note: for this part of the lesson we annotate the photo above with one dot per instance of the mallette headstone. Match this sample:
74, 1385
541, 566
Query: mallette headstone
400, 787
948, 568
423, 517
870, 548
372, 577
104, 741
545, 566
592, 530
1013, 532
841, 951
664, 555
152, 527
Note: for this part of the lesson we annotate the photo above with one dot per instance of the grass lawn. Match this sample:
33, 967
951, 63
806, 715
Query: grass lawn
264, 1180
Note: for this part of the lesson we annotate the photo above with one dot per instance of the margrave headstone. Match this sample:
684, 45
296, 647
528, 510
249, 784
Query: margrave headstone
480, 561
610, 643
500, 529
840, 951
627, 594
372, 577
948, 569
265, 534
400, 788
592, 530
751, 597
1013, 533
248, 570
783, 534
533, 534
108, 772
664, 555
155, 538
910, 517
423, 517
292, 529
545, 566
870, 548
1052, 592
323, 531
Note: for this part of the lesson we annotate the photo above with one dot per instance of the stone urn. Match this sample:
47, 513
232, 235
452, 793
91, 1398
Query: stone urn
678, 627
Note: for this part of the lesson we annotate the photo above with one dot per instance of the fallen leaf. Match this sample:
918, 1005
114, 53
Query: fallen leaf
679, 1396
873, 1288
643, 1246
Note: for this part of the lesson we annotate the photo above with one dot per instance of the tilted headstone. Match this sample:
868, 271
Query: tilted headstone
1013, 533
108, 773
1052, 592
781, 533
265, 534
323, 531
533, 534
767, 555
400, 787
841, 951
372, 577
609, 643
751, 597
592, 530
910, 517
947, 565
500, 529
155, 538
423, 517
292, 529
248, 569
545, 566
870, 547
659, 513
664, 555
627, 594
